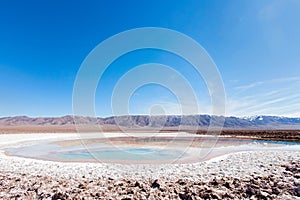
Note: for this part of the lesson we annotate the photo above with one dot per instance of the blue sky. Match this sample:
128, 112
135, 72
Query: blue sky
255, 45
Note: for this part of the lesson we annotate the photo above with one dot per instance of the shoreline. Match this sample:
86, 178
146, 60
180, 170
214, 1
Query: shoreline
211, 148
291, 135
234, 175
29, 180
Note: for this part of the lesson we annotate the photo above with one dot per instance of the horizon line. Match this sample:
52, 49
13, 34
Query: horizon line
104, 117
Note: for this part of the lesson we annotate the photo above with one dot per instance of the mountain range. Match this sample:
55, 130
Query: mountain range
144, 121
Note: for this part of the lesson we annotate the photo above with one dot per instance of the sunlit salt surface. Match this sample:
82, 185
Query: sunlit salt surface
154, 149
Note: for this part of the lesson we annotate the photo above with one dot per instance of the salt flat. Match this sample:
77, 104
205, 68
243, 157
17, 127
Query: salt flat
241, 165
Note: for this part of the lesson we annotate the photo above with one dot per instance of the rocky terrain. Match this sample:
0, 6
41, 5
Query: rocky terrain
245, 175
270, 186
281, 135
268, 174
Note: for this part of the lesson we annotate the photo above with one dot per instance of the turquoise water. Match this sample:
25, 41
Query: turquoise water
94, 153
277, 142
138, 151
121, 154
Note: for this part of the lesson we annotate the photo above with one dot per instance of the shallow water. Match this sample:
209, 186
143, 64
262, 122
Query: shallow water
140, 149
121, 154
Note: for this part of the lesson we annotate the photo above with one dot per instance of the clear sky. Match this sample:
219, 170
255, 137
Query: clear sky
254, 43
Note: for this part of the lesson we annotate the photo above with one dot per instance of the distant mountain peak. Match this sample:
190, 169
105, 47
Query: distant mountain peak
258, 121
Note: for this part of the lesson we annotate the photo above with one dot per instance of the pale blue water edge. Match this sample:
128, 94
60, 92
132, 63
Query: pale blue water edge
122, 154
45, 150
50, 151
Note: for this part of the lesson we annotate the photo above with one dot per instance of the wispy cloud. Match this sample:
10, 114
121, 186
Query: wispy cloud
272, 97
246, 87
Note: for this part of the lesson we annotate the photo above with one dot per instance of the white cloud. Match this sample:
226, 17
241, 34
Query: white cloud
272, 97
246, 87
